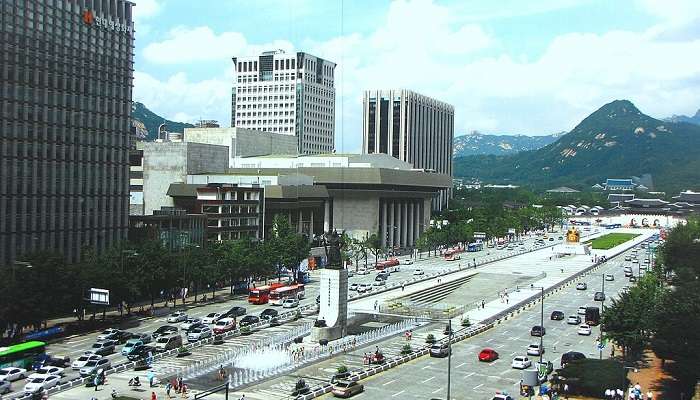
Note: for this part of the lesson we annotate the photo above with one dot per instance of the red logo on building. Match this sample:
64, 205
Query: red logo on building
88, 18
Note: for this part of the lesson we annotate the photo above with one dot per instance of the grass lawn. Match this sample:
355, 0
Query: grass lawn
611, 240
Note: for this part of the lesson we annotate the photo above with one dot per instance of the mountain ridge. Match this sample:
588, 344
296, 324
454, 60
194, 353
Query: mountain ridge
147, 122
478, 143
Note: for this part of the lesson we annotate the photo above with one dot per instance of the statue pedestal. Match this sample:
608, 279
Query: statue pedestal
573, 249
327, 333
333, 306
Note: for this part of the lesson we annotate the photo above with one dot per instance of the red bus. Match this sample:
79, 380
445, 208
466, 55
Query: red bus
261, 294
453, 253
279, 295
382, 265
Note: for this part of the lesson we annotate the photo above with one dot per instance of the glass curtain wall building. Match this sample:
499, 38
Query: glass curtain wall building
65, 110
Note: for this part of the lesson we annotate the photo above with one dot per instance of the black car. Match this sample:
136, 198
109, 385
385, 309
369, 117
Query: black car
164, 330
141, 352
571, 356
557, 316
599, 296
234, 312
248, 320
269, 313
538, 331
122, 336
194, 326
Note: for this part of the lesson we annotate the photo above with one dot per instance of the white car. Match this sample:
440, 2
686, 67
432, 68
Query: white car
364, 287
107, 334
93, 366
418, 272
581, 311
211, 318
199, 333
521, 362
407, 262
46, 371
609, 277
584, 329
12, 374
353, 287
41, 382
534, 350
5, 387
378, 283
363, 271
177, 317
185, 326
290, 303
573, 320
84, 359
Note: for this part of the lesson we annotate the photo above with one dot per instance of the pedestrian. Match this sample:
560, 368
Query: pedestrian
96, 381
168, 388
608, 394
566, 390
507, 299
242, 397
222, 373
650, 395
154, 396
403, 286
483, 304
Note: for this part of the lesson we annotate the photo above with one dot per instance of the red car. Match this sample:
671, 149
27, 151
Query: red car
224, 325
488, 355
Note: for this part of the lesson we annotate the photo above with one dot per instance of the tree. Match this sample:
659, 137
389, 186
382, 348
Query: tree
374, 245
289, 247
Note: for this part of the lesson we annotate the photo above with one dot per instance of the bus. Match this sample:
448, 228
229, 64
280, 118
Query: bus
476, 246
382, 265
261, 294
279, 295
21, 355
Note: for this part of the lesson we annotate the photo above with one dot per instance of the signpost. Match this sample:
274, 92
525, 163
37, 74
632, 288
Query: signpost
98, 296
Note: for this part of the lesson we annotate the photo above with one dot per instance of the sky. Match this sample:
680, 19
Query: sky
531, 67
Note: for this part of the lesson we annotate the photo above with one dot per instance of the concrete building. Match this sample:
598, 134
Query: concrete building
243, 142
165, 163
291, 94
411, 127
65, 95
173, 227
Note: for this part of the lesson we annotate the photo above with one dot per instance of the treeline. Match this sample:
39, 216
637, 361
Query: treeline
44, 286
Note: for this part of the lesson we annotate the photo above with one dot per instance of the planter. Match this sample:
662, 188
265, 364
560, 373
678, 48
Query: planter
323, 342
245, 331
298, 340
218, 339
430, 339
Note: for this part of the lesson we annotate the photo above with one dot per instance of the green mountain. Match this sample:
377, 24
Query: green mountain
616, 141
478, 143
147, 122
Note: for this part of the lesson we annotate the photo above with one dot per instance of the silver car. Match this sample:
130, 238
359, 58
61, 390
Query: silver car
92, 367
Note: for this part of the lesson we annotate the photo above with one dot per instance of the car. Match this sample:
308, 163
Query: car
199, 333
12, 374
102, 348
635, 261
521, 362
439, 350
363, 271
646, 261
581, 310
538, 331
557, 316
164, 331
551, 239
584, 329
224, 325
190, 323
93, 366
236, 311
46, 360
144, 337
249, 320
581, 286
108, 334
269, 313
378, 283
351, 273
571, 356
84, 359
141, 352
382, 276
573, 320
364, 287
418, 272
628, 258
609, 277
50, 370
290, 303
211, 318
534, 350
633, 278
353, 287
41, 382
502, 396
407, 262
343, 388
5, 387
488, 355
130, 345
177, 316
599, 296
165, 343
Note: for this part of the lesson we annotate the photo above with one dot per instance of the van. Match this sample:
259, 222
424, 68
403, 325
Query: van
165, 343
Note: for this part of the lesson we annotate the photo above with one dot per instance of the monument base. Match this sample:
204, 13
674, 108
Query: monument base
573, 249
328, 333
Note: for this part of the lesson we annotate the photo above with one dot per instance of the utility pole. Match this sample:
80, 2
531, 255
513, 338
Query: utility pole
541, 323
600, 335
449, 358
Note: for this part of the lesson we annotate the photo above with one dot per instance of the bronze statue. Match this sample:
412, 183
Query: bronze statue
333, 243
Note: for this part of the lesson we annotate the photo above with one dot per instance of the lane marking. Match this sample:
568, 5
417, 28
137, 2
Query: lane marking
460, 365
469, 374
390, 382
397, 393
427, 366
436, 390
478, 386
428, 380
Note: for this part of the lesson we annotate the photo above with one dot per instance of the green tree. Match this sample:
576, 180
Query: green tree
289, 247
374, 245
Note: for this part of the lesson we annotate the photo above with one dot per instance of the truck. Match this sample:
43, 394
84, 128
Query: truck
592, 316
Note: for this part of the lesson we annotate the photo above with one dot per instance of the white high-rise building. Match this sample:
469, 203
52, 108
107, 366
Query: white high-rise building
292, 94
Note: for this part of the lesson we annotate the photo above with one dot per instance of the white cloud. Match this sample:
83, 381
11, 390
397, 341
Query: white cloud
145, 9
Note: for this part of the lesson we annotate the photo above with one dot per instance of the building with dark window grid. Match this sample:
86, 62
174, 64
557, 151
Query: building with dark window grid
411, 127
65, 109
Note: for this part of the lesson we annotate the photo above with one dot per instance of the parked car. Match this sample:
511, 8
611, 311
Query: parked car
165, 343
347, 388
363, 271
534, 350
190, 323
599, 296
364, 287
269, 313
93, 366
224, 325
488, 355
177, 316
130, 345
407, 261
581, 310
538, 331
12, 374
418, 272
164, 330
235, 311
290, 303
102, 348
353, 287
58, 371
199, 333
378, 283
521, 362
211, 318
557, 316
439, 350
249, 320
573, 320
84, 359
581, 286
5, 387
584, 329
41, 382
571, 356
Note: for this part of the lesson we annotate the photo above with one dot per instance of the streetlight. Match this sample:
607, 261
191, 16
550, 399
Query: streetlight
541, 318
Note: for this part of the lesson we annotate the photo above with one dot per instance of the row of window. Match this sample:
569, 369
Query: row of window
231, 222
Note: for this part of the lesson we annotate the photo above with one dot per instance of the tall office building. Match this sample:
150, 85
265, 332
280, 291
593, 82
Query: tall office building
65, 101
411, 127
293, 94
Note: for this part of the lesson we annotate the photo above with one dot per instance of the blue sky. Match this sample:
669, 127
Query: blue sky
508, 66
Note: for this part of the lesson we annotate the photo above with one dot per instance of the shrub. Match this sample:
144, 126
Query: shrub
406, 349
430, 339
591, 377
466, 322
342, 369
